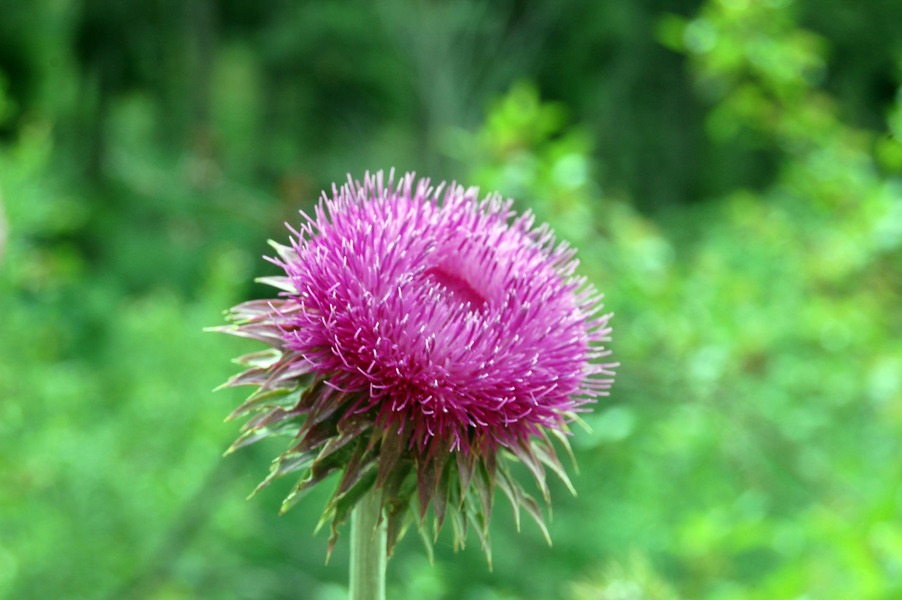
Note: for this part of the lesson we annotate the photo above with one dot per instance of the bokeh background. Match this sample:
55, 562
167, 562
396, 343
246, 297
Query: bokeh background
731, 171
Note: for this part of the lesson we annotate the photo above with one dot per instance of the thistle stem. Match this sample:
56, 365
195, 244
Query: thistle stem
368, 559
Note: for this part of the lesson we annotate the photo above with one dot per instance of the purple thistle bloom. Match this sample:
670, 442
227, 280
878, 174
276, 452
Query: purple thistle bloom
422, 338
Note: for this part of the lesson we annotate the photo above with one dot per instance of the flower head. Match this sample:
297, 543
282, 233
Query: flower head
423, 338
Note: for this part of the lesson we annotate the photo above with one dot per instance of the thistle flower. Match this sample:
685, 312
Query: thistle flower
422, 341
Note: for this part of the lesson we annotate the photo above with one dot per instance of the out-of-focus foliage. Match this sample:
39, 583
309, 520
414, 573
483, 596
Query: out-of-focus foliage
731, 171
634, 581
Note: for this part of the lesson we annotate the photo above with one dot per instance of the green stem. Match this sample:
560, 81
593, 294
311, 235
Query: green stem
368, 549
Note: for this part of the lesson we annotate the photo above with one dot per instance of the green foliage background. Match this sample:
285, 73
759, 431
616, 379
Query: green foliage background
731, 171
